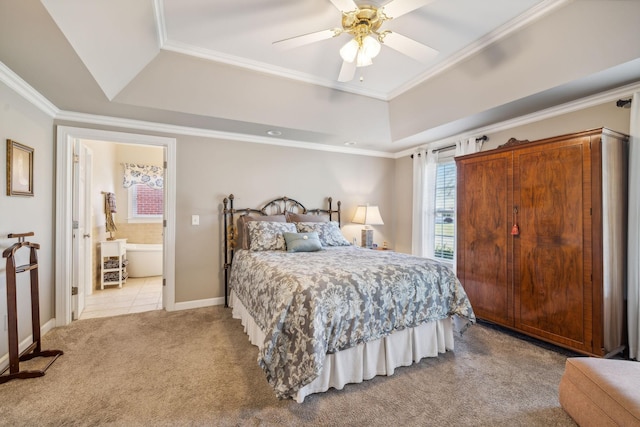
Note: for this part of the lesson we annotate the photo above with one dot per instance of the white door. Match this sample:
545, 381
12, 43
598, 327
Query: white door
82, 259
165, 209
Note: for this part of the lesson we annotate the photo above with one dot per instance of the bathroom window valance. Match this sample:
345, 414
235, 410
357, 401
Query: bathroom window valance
153, 176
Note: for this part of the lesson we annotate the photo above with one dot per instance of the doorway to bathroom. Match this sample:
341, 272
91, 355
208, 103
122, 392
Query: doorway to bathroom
125, 199
83, 287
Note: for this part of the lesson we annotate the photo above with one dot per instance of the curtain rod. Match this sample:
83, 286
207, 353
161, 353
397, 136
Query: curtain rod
624, 103
482, 138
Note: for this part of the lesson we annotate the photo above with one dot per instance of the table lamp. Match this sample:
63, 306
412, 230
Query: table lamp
367, 215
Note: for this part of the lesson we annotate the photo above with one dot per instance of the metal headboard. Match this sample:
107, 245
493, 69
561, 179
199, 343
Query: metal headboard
274, 207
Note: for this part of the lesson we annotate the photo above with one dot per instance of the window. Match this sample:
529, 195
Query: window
146, 204
445, 204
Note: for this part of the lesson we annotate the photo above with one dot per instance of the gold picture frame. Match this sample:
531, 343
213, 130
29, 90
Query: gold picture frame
19, 169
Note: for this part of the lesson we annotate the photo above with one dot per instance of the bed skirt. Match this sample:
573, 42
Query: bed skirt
365, 361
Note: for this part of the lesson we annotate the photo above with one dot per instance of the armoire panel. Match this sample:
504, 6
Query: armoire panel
549, 283
483, 197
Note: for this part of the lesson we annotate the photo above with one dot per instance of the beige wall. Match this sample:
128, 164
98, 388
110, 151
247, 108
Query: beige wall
209, 170
604, 115
24, 123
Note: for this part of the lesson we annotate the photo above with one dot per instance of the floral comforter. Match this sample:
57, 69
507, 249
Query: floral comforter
312, 303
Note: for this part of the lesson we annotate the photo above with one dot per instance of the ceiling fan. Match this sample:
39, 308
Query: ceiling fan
363, 23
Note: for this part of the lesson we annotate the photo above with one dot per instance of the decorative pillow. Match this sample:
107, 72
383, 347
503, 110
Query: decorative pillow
303, 242
268, 236
329, 232
294, 217
243, 241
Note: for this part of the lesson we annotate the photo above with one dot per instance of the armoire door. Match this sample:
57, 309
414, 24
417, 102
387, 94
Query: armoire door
552, 253
483, 251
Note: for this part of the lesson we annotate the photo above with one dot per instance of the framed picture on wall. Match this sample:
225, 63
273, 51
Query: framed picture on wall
19, 169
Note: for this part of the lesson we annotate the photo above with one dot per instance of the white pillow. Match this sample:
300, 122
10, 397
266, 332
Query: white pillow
268, 236
329, 232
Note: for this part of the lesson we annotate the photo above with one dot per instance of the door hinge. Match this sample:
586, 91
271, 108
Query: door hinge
164, 223
74, 290
164, 282
165, 165
75, 225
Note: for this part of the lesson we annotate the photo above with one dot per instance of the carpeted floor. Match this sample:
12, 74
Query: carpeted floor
197, 367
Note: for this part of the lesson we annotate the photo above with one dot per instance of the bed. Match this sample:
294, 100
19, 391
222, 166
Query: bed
324, 313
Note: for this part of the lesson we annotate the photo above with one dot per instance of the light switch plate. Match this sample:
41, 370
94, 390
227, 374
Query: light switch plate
195, 219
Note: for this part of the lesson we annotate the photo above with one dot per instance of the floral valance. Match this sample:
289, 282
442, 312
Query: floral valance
153, 176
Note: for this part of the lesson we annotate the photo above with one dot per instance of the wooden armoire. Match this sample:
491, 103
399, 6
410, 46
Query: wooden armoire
541, 238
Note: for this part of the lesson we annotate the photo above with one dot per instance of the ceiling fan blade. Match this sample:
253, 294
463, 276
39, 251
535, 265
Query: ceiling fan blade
304, 39
347, 71
345, 5
397, 8
409, 47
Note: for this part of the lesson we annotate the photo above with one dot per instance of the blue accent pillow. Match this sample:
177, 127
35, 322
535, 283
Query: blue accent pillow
302, 242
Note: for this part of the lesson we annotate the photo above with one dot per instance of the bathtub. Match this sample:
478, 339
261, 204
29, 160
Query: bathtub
144, 259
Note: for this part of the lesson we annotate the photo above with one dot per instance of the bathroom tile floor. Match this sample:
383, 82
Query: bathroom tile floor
136, 295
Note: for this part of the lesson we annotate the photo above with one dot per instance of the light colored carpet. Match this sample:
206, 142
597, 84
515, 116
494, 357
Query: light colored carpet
197, 367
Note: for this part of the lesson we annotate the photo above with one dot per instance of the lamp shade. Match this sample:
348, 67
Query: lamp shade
367, 215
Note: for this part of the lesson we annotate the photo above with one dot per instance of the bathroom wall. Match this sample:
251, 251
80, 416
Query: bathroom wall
135, 232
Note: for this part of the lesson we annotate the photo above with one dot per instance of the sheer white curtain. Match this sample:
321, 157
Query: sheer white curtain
425, 165
633, 254
424, 188
468, 146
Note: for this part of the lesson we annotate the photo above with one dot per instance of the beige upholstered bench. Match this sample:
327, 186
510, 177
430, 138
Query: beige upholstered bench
601, 392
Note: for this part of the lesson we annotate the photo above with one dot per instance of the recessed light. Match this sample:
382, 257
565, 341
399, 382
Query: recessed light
274, 133
349, 143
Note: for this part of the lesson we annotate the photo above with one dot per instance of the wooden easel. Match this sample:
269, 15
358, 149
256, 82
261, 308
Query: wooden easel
34, 350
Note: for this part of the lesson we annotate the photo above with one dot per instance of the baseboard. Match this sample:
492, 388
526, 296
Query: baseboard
198, 303
4, 359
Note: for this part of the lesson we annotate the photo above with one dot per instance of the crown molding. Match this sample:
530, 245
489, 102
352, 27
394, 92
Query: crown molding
14, 82
187, 49
146, 126
22, 88
209, 55
569, 107
541, 9
161, 25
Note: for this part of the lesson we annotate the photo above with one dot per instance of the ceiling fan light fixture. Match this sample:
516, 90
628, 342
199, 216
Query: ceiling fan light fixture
370, 47
363, 23
363, 60
349, 51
